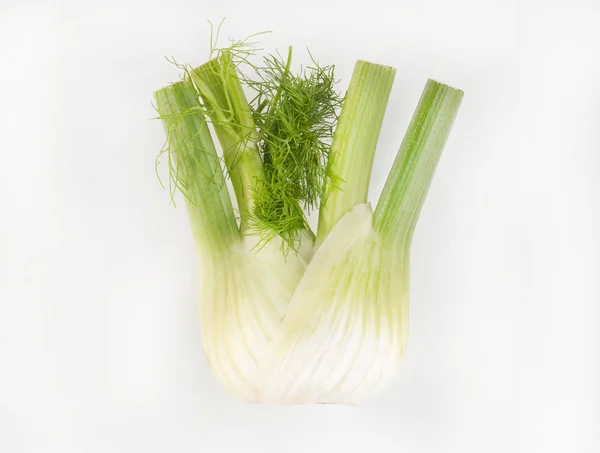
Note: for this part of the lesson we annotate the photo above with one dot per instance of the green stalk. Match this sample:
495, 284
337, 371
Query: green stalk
404, 192
195, 167
353, 148
227, 107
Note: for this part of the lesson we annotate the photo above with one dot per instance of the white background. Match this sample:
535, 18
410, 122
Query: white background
99, 341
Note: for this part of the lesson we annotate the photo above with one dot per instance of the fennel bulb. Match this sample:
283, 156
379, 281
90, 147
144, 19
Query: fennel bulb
287, 316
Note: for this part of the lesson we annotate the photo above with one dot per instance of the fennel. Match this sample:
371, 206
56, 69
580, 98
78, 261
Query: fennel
290, 317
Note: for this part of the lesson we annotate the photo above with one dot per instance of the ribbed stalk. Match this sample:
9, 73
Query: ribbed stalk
354, 143
400, 203
196, 168
227, 107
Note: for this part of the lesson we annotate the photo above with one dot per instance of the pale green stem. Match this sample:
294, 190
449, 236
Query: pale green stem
354, 143
197, 169
402, 198
223, 96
